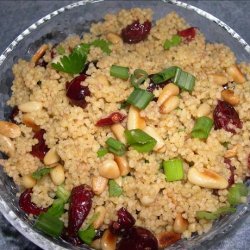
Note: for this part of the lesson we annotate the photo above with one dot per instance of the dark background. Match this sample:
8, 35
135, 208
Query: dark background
16, 16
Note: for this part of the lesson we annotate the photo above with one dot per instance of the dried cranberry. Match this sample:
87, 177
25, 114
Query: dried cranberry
40, 149
113, 118
136, 32
226, 117
123, 224
187, 34
79, 207
152, 86
74, 240
13, 114
138, 239
76, 92
248, 161
27, 206
42, 63
231, 168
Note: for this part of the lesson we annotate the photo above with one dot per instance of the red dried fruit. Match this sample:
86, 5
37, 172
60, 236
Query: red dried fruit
76, 92
79, 207
136, 32
231, 168
138, 239
248, 162
226, 117
27, 206
123, 224
74, 240
42, 63
188, 34
113, 118
152, 86
40, 149
13, 114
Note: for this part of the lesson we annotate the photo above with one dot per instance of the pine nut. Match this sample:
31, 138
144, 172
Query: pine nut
101, 215
180, 224
6, 145
96, 244
109, 169
218, 79
147, 200
206, 179
39, 53
231, 152
29, 121
229, 96
108, 241
51, 157
113, 38
203, 110
153, 133
170, 104
30, 106
166, 239
236, 74
122, 163
118, 131
28, 181
9, 129
99, 184
169, 90
134, 119
57, 175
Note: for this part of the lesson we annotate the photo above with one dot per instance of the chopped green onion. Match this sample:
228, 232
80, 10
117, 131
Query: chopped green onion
62, 193
87, 235
164, 75
38, 174
57, 208
236, 192
202, 127
140, 98
114, 189
184, 80
49, 224
206, 215
101, 152
119, 72
124, 105
115, 146
225, 210
138, 77
173, 169
175, 40
139, 140
60, 50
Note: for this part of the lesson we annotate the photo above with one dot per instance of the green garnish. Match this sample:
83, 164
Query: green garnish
114, 189
202, 127
164, 75
38, 174
174, 41
101, 152
119, 72
102, 44
215, 215
225, 144
116, 147
236, 193
57, 208
124, 105
87, 235
82, 49
60, 50
62, 193
173, 169
138, 77
184, 80
139, 140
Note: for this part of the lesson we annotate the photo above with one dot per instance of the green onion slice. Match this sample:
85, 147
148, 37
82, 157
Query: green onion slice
206, 215
202, 127
119, 72
236, 192
184, 80
173, 169
38, 174
62, 193
114, 189
164, 75
140, 98
225, 210
101, 152
57, 208
138, 77
175, 40
87, 235
139, 140
115, 146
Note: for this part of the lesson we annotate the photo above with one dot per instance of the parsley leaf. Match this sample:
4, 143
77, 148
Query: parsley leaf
103, 45
114, 189
38, 174
82, 48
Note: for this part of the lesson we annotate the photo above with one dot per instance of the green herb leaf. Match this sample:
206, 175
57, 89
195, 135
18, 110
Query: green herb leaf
101, 152
103, 45
87, 235
38, 174
174, 41
82, 49
60, 50
114, 189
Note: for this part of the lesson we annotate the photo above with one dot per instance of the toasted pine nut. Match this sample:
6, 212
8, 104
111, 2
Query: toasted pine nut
113, 38
6, 145
51, 157
170, 104
9, 129
229, 96
152, 132
108, 241
118, 131
99, 184
180, 224
218, 79
28, 181
109, 169
231, 152
206, 179
134, 119
101, 210
96, 244
147, 200
236, 74
30, 106
57, 174
102, 80
122, 163
166, 239
29, 121
39, 53
203, 110
169, 90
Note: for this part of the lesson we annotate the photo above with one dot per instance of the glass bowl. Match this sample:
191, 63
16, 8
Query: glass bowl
75, 19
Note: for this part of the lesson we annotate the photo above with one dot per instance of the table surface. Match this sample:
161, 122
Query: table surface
15, 16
